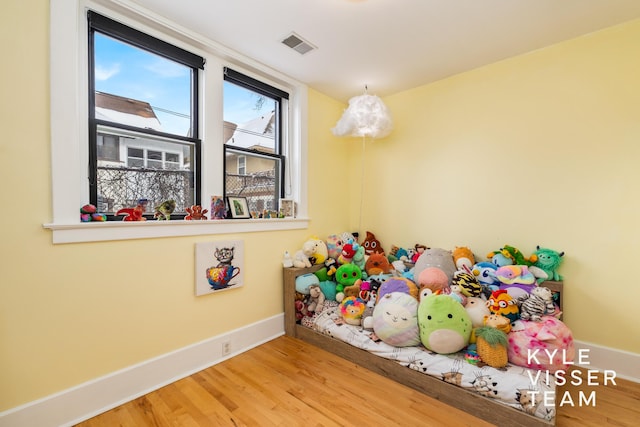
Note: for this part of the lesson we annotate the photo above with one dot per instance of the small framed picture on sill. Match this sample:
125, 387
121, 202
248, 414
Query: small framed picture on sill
287, 208
238, 207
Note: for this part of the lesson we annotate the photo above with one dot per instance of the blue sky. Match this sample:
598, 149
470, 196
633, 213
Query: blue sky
130, 72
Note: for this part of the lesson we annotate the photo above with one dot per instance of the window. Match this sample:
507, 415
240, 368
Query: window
143, 93
253, 151
199, 154
108, 147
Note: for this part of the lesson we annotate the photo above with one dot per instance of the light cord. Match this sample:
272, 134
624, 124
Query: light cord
361, 185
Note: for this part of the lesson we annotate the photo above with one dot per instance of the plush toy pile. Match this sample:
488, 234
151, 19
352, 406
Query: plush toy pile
448, 301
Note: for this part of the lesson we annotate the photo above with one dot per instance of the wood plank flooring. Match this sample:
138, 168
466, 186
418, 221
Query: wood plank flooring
287, 382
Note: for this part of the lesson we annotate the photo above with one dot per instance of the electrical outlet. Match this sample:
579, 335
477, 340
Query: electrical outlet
226, 348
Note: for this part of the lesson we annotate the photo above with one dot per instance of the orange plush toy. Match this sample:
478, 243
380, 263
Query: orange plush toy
502, 303
195, 212
463, 257
377, 264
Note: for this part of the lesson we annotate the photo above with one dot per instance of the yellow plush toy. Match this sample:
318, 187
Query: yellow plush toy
320, 252
492, 342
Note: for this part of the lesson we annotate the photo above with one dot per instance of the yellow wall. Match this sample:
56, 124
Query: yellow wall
534, 150
71, 313
541, 149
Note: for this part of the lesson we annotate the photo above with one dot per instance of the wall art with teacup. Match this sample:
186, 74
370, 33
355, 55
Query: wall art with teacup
219, 266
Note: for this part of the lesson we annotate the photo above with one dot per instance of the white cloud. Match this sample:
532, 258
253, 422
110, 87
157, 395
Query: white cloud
103, 73
165, 68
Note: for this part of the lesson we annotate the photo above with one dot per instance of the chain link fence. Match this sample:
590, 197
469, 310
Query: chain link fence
120, 187
259, 188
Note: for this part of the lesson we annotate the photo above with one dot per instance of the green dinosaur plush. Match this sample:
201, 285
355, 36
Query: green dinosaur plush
517, 256
548, 260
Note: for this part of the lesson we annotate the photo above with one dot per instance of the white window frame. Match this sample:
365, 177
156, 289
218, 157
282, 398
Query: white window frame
69, 126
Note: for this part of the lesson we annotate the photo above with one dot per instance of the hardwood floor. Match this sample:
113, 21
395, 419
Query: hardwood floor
287, 382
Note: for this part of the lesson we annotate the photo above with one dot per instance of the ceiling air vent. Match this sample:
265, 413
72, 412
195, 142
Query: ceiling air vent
298, 44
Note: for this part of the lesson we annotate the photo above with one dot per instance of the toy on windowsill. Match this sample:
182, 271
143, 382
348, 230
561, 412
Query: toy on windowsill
134, 214
196, 212
165, 209
89, 213
218, 208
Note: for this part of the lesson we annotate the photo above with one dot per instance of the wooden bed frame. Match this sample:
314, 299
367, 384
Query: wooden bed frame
482, 407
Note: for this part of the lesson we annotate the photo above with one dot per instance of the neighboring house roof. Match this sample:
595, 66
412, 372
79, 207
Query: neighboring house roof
255, 134
126, 111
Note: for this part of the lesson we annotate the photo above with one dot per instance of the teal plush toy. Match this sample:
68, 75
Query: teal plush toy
445, 326
328, 288
548, 261
359, 260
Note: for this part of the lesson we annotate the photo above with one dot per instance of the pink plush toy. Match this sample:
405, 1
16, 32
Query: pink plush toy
544, 345
433, 278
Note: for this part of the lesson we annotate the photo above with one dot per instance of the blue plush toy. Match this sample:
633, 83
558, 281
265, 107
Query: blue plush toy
499, 259
304, 282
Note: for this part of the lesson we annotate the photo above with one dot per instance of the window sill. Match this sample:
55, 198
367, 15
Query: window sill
122, 230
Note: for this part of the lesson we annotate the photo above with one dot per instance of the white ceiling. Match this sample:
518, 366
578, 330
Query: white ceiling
389, 45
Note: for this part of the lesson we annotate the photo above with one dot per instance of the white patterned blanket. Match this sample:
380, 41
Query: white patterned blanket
515, 386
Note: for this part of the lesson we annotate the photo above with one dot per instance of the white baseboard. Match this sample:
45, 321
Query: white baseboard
102, 394
86, 400
625, 364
